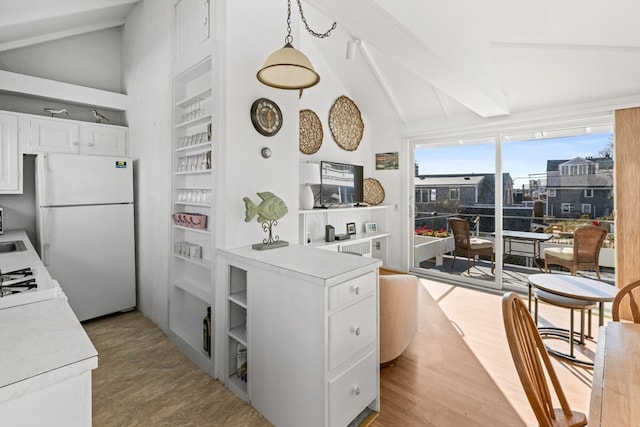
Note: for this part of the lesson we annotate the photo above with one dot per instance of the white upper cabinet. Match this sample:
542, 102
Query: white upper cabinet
67, 136
53, 135
10, 155
104, 140
192, 29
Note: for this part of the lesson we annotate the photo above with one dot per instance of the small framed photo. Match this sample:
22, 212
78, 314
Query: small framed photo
351, 228
370, 227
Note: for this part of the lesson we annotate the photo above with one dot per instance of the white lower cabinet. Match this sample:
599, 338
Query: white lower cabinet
308, 319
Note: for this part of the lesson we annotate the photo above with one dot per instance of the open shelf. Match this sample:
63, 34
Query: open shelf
206, 144
204, 93
197, 291
194, 122
239, 298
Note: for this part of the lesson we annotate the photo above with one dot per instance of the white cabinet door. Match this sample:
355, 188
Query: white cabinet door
10, 158
53, 135
104, 140
192, 26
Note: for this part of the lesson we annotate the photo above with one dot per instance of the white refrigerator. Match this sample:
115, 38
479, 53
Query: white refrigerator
86, 231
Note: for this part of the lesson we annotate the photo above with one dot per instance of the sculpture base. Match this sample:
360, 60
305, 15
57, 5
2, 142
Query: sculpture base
272, 245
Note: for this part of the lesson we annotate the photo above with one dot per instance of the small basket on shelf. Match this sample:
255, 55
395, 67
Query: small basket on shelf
190, 220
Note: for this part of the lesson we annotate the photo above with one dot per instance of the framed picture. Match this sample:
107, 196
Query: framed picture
351, 228
370, 227
386, 161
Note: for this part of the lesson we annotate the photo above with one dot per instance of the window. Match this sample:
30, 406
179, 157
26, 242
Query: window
586, 208
454, 194
567, 207
552, 192
425, 195
588, 192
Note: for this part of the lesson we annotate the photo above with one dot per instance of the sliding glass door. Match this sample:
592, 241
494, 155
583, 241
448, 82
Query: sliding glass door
520, 191
454, 178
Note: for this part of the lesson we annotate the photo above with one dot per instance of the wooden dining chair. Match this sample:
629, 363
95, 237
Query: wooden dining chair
532, 363
584, 255
627, 298
468, 246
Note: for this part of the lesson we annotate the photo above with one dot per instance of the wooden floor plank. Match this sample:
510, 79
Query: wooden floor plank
456, 372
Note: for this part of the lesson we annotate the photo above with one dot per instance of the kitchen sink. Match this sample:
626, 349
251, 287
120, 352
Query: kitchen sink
12, 246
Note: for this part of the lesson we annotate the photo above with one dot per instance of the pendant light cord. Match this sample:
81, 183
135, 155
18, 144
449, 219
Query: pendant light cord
289, 38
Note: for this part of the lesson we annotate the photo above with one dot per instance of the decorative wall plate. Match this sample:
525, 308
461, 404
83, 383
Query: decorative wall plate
346, 123
266, 116
311, 133
373, 191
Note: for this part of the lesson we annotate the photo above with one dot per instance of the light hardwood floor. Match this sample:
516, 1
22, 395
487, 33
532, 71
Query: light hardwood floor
456, 372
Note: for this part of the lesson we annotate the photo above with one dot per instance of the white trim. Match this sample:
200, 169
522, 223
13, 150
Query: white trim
44, 88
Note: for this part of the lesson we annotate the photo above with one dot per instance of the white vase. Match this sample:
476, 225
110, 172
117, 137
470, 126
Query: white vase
306, 197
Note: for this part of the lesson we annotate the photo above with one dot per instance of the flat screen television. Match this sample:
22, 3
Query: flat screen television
340, 184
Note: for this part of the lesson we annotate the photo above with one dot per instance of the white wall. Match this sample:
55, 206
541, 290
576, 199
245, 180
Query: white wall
244, 171
146, 70
91, 60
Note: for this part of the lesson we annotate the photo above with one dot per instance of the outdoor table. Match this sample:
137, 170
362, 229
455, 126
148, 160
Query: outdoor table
526, 237
580, 288
616, 377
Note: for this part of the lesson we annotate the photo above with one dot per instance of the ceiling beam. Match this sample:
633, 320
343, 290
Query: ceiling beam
370, 23
69, 32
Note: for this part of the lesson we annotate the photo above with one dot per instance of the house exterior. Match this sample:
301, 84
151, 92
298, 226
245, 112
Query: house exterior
448, 192
580, 187
473, 194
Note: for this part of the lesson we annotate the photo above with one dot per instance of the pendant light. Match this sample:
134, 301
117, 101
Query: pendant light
288, 68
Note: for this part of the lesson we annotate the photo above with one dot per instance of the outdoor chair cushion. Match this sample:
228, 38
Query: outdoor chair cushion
477, 243
562, 253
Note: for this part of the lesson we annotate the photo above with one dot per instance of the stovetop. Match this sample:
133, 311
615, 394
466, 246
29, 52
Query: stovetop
26, 285
17, 281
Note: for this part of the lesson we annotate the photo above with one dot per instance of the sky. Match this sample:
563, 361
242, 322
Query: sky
520, 158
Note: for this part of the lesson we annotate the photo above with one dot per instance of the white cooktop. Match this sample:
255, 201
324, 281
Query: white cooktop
11, 261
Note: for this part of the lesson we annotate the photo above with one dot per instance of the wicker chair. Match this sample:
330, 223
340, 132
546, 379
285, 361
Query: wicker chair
627, 297
532, 362
468, 246
584, 254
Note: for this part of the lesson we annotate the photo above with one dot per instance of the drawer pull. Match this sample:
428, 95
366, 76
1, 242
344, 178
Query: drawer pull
356, 390
357, 290
356, 331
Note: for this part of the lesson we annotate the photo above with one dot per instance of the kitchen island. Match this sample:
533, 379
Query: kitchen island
46, 357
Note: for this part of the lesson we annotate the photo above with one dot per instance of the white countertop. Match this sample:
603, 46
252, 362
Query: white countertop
15, 260
326, 267
40, 343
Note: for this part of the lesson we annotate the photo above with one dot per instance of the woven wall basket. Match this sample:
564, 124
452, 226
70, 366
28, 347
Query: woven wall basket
373, 191
311, 133
346, 123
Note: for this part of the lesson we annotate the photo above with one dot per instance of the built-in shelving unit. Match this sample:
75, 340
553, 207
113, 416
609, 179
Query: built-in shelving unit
193, 189
237, 374
372, 243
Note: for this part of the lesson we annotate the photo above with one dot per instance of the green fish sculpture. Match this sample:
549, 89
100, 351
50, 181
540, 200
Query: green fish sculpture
272, 208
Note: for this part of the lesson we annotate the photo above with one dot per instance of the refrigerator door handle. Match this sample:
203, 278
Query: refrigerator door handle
44, 200
45, 254
45, 237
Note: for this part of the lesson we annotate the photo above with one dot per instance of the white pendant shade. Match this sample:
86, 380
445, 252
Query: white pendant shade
288, 68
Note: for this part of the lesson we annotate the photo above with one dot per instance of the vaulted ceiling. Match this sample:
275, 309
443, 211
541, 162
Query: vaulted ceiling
427, 60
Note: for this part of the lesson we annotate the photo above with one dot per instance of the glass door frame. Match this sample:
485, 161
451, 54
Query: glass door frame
504, 132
